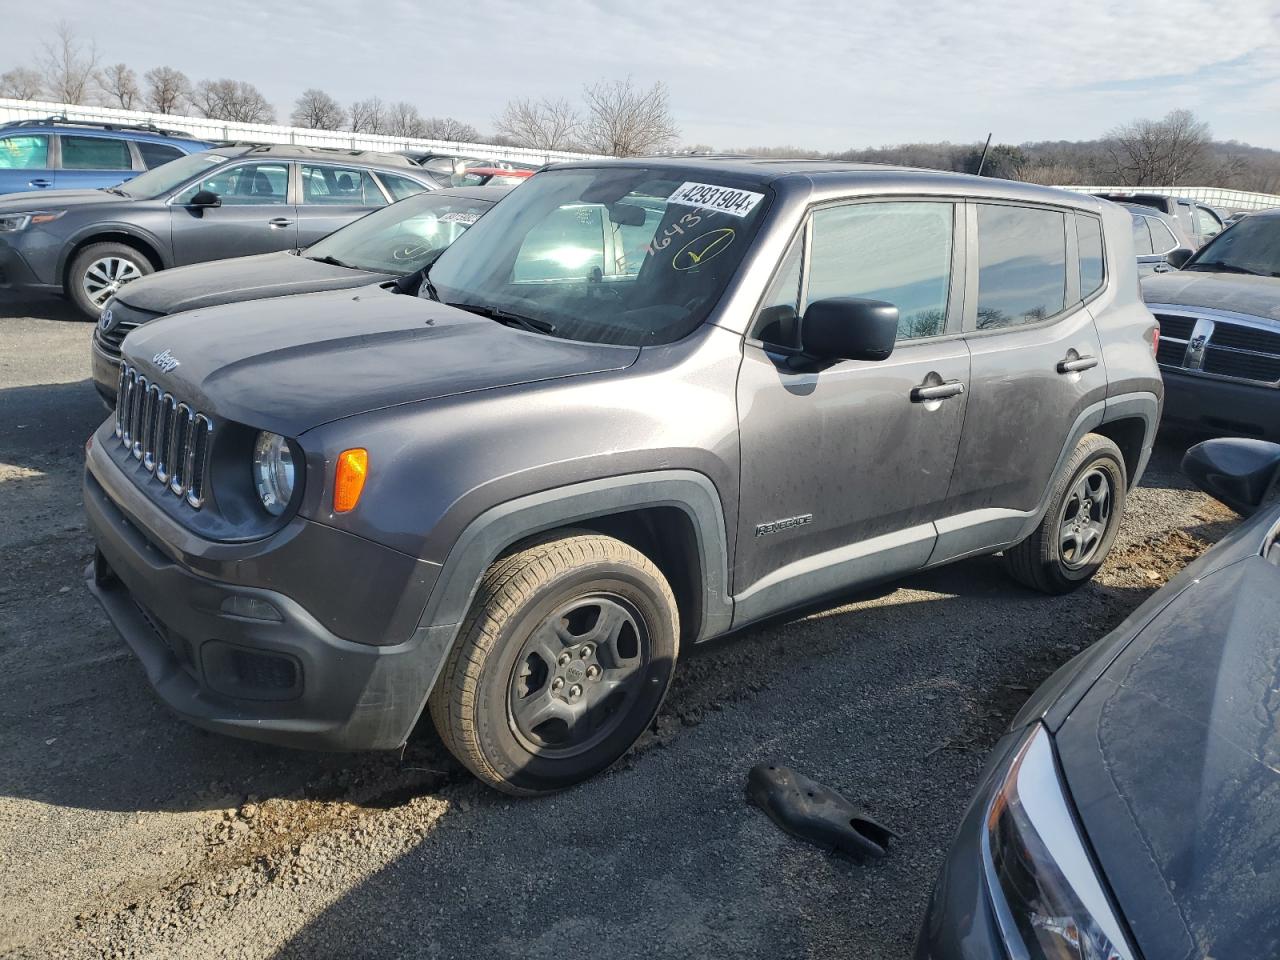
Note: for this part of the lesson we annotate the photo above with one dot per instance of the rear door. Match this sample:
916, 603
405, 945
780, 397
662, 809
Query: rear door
26, 162
1036, 367
256, 215
90, 161
333, 196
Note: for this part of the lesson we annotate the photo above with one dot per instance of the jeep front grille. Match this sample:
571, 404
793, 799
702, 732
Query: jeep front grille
170, 437
1206, 344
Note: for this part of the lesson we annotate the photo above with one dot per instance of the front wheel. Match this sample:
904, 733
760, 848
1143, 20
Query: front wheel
561, 664
1078, 529
99, 271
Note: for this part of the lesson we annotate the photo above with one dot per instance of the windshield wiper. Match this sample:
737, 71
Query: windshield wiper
1225, 268
532, 324
333, 262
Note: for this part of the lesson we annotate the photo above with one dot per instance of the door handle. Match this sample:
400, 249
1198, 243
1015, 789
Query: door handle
41, 183
1161, 268
937, 391
1077, 364
279, 222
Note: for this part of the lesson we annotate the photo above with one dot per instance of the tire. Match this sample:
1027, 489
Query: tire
562, 663
1054, 559
116, 264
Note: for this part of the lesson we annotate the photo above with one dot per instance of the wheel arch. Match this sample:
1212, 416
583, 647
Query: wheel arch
147, 247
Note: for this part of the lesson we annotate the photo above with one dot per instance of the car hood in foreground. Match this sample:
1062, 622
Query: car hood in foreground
242, 278
293, 363
1173, 761
1236, 292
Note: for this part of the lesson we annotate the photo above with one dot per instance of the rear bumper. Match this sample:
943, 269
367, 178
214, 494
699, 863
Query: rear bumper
1221, 407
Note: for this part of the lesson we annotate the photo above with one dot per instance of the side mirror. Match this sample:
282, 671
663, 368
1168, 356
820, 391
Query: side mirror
205, 198
846, 328
1243, 474
1178, 256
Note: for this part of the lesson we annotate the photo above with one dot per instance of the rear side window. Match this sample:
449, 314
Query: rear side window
24, 152
1162, 238
1022, 265
340, 185
1089, 243
154, 154
95, 153
400, 187
897, 252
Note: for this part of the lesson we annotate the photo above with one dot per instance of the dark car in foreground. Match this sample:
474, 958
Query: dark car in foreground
1220, 332
229, 202
1134, 808
396, 241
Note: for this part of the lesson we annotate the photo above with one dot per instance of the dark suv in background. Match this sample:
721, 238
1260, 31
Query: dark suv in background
228, 202
62, 154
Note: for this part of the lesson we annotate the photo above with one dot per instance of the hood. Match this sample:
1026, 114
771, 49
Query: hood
293, 363
56, 200
1173, 760
1237, 292
239, 279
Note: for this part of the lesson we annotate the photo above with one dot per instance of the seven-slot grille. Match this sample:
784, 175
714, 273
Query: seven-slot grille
170, 438
1199, 344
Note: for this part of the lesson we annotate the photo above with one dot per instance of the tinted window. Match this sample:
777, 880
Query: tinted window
1141, 237
1251, 246
1022, 265
248, 183
95, 153
1089, 243
776, 321
400, 187
898, 252
340, 185
154, 154
24, 152
1162, 238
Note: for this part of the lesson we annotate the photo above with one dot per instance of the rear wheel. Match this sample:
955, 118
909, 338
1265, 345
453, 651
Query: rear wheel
1078, 529
101, 269
561, 664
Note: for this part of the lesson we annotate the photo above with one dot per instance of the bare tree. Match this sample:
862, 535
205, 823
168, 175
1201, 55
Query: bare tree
235, 100
1158, 152
447, 128
625, 121
119, 84
168, 90
319, 111
21, 83
367, 116
542, 124
403, 120
68, 65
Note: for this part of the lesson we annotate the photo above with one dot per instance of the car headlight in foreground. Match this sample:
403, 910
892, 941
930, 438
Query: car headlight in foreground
15, 222
273, 472
1045, 892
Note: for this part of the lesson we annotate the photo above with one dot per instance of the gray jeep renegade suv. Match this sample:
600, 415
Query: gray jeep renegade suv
640, 404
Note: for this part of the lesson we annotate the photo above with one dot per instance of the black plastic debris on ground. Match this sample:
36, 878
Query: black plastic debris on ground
811, 811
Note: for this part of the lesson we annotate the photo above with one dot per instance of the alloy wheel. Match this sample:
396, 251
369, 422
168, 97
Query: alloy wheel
105, 276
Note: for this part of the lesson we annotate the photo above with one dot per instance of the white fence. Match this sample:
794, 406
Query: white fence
1213, 196
206, 129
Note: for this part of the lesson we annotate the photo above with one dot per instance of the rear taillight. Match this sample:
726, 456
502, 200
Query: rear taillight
1155, 340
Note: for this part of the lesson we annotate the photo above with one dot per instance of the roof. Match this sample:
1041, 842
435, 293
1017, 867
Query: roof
103, 125
293, 151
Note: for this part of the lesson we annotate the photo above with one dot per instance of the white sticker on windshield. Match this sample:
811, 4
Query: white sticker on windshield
467, 218
728, 200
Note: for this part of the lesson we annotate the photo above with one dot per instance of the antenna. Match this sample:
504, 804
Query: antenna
983, 162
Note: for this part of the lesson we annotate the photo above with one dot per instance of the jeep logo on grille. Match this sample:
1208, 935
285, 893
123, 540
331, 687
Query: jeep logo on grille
166, 361
107, 322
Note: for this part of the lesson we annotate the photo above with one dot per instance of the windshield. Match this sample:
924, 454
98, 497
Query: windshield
156, 183
402, 238
1251, 246
625, 255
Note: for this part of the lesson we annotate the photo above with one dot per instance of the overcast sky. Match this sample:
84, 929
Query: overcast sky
815, 73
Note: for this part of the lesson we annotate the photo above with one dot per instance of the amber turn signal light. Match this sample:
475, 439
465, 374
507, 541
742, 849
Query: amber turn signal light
348, 480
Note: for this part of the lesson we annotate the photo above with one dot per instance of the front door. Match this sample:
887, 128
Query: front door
255, 216
845, 467
332, 197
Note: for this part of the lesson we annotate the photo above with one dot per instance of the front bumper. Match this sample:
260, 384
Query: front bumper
1221, 407
17, 272
106, 372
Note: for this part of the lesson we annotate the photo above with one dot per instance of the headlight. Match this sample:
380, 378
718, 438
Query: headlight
1048, 900
273, 472
20, 221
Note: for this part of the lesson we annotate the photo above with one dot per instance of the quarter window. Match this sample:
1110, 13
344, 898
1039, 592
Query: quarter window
154, 154
24, 152
1141, 237
1162, 238
1089, 244
778, 319
340, 185
1022, 265
95, 153
244, 184
898, 252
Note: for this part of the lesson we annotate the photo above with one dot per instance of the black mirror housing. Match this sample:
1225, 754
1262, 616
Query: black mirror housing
848, 328
205, 198
1242, 474
1178, 256
626, 214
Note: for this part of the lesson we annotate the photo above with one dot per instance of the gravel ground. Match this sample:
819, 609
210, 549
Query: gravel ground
126, 833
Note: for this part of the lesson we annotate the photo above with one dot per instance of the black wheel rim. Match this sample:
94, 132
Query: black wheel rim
578, 675
1086, 516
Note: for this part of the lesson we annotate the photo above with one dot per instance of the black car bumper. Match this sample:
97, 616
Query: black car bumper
214, 659
105, 369
1221, 407
17, 274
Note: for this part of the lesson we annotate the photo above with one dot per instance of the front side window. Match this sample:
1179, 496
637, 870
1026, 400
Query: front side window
1210, 225
621, 254
95, 153
1089, 244
154, 154
244, 184
24, 152
339, 185
896, 252
1022, 265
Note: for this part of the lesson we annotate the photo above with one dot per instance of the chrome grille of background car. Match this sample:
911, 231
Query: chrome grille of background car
1201, 344
170, 437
